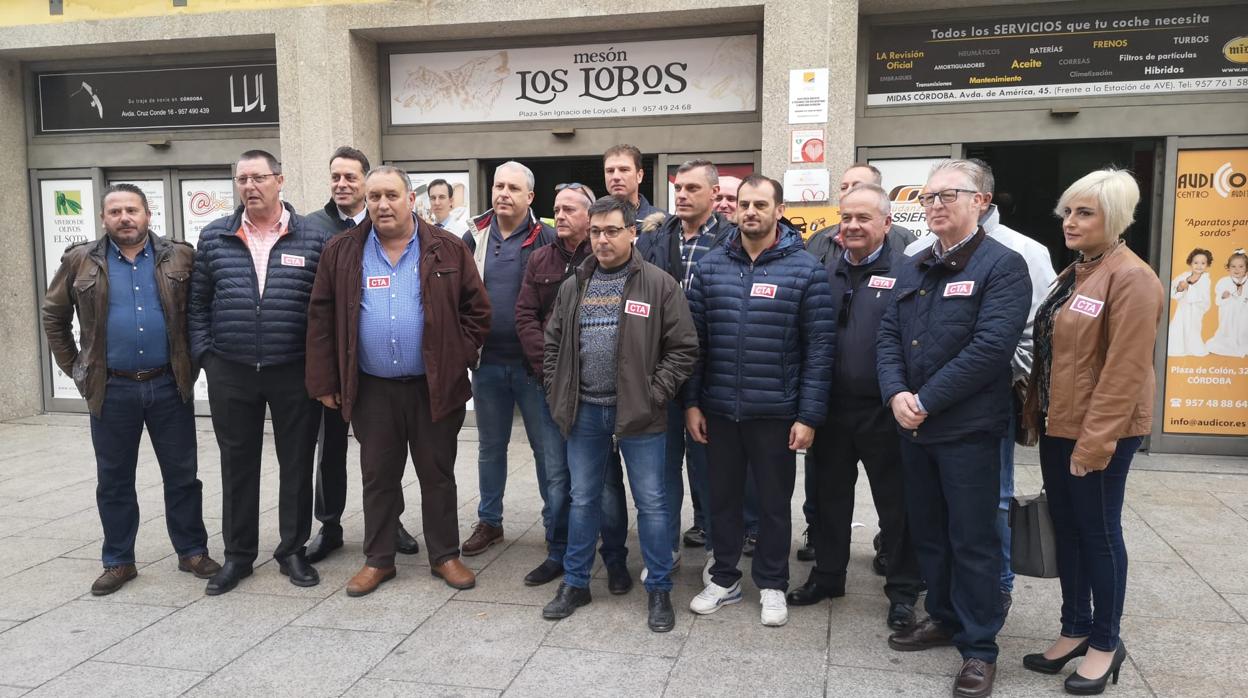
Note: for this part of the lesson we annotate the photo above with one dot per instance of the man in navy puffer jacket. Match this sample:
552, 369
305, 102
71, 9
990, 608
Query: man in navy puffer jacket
763, 314
943, 358
248, 325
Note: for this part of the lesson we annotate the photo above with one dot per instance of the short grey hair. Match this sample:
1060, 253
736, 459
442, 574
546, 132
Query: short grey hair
883, 203
1116, 193
974, 173
712, 172
391, 170
513, 165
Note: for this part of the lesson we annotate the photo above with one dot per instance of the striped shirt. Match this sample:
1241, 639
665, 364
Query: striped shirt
260, 242
694, 248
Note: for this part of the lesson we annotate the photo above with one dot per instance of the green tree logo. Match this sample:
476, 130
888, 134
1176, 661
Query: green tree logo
68, 203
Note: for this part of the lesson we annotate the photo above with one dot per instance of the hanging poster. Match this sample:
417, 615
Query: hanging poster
68, 214
154, 190
203, 201
453, 215
1206, 379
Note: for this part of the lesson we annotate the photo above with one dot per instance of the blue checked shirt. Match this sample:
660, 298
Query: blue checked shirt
392, 318
696, 247
136, 320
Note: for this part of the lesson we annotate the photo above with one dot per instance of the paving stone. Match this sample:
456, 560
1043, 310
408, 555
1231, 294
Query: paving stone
210, 633
313, 662
1239, 602
158, 584
46, 586
386, 688
627, 614
1172, 685
761, 673
469, 644
1223, 567
43, 648
12, 691
1150, 593
19, 553
556, 671
6, 624
1143, 543
398, 606
13, 525
103, 678
858, 637
55, 504
1200, 649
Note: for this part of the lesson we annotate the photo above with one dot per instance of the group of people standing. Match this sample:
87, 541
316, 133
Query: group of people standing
635, 344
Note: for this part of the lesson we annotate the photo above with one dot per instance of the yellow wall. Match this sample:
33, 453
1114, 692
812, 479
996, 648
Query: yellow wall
19, 12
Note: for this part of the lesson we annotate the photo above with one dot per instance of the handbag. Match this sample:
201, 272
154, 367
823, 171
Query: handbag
1033, 542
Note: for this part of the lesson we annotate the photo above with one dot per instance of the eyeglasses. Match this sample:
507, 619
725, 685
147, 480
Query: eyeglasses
576, 186
947, 196
242, 180
610, 232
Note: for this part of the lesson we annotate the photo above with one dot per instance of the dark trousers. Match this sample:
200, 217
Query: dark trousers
331, 471
238, 395
392, 418
951, 505
832, 462
115, 434
763, 444
1091, 555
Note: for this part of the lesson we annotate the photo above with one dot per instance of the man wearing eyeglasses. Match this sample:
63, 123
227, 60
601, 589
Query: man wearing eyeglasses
501, 240
247, 318
944, 352
859, 426
546, 270
618, 346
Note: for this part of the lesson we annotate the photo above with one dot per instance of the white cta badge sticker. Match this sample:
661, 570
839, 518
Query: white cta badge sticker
881, 282
959, 288
292, 260
637, 308
763, 290
379, 282
1088, 306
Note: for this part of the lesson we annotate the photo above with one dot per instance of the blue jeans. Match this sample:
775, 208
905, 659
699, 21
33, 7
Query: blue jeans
951, 492
557, 494
497, 389
589, 449
1003, 506
115, 434
1091, 555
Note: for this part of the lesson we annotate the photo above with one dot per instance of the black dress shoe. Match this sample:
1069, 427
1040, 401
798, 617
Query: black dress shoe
405, 542
879, 564
748, 545
695, 537
619, 581
1083, 686
566, 601
806, 553
1040, 663
323, 543
900, 615
544, 573
812, 593
923, 635
225, 580
301, 573
662, 618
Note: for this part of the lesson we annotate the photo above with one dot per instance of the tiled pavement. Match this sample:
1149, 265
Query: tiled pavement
1185, 626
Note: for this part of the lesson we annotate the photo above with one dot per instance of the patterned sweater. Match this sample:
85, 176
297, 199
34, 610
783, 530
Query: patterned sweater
599, 324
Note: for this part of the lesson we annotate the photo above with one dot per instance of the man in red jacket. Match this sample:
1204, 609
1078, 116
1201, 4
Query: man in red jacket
397, 315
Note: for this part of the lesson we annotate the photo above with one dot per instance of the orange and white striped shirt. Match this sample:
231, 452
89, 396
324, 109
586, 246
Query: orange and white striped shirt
260, 243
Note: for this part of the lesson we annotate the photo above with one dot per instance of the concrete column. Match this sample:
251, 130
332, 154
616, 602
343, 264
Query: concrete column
809, 34
327, 87
19, 362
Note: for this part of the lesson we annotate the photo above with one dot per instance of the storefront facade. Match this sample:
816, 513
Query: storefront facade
452, 89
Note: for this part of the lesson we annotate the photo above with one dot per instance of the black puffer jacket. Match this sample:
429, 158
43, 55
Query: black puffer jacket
227, 315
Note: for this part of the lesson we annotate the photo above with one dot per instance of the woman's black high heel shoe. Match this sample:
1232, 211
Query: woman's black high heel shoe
1044, 665
1083, 686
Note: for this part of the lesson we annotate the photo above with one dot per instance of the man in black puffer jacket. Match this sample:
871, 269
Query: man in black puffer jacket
248, 325
761, 307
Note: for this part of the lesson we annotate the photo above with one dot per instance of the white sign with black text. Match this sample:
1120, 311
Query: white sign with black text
68, 215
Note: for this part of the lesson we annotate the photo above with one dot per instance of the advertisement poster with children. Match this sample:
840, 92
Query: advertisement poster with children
1207, 347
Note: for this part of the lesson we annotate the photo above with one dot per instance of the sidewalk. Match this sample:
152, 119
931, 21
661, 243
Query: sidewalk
1184, 624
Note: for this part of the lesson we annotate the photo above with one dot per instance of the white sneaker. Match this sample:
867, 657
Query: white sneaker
706, 570
645, 572
775, 609
713, 596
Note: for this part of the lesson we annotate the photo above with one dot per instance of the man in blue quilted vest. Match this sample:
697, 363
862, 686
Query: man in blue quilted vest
761, 306
943, 358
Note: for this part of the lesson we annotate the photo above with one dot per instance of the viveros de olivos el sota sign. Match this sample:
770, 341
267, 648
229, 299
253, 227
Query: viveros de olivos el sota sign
1061, 55
586, 81
138, 99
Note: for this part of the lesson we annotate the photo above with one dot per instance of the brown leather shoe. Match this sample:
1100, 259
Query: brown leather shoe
483, 536
455, 573
975, 679
200, 565
113, 579
368, 579
921, 636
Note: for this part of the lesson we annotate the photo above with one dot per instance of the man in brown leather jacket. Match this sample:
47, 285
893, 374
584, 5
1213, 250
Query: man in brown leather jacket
132, 366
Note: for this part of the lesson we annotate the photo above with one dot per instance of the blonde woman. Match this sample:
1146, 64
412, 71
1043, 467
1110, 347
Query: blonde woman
1091, 398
